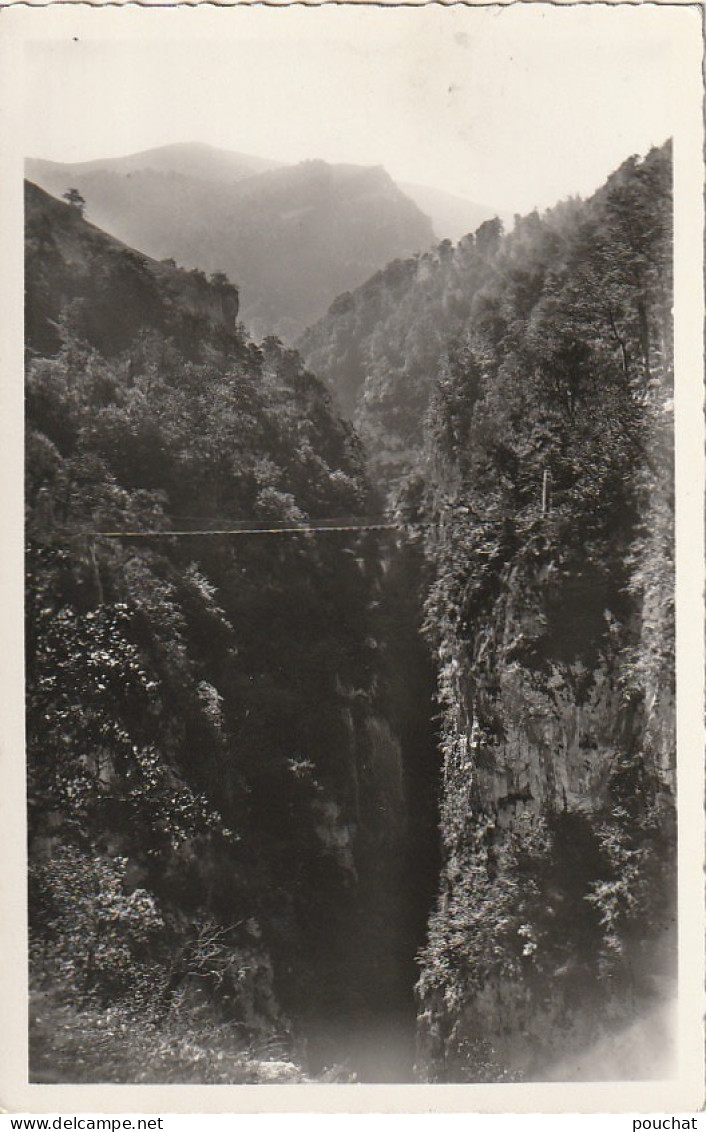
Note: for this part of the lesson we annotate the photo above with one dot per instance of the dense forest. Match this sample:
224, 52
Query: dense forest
548, 487
277, 780
216, 769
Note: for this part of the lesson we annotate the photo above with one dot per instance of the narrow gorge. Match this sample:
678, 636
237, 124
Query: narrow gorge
350, 668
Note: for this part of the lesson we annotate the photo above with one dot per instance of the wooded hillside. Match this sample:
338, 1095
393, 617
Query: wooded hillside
548, 487
216, 796
292, 237
247, 813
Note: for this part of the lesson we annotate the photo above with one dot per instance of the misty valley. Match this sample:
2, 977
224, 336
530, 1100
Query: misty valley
349, 626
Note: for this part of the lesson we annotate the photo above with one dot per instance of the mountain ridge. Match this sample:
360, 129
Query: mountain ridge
183, 157
291, 237
452, 214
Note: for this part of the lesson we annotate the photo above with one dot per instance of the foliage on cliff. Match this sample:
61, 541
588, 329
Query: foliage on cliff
204, 761
548, 490
228, 735
293, 236
379, 347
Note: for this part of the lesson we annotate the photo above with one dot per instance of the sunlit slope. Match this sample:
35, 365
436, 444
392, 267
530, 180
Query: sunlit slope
291, 237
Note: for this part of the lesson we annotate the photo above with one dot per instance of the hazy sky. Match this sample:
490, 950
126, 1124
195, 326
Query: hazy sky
514, 107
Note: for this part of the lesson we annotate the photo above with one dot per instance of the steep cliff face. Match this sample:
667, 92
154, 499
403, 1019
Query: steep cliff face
216, 798
109, 292
555, 925
216, 789
548, 489
241, 756
387, 829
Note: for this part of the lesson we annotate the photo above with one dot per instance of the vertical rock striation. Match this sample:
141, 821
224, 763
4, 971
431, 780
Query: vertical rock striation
548, 488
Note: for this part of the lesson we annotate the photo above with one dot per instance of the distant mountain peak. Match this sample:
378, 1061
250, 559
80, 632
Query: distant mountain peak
192, 159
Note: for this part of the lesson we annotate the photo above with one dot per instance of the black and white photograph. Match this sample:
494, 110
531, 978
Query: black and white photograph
350, 695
